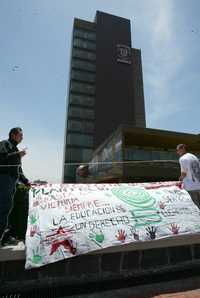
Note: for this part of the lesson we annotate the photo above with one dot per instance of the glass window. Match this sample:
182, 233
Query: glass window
82, 100
84, 44
81, 113
118, 147
88, 126
70, 170
118, 155
140, 154
87, 155
80, 64
77, 53
137, 154
81, 126
79, 139
83, 76
129, 155
106, 156
83, 88
160, 155
85, 34
79, 154
94, 166
173, 155
156, 155
164, 155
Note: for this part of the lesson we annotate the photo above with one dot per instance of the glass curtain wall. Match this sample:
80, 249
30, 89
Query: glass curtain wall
108, 156
80, 124
144, 154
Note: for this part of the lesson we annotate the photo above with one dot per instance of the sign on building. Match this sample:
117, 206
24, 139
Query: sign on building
123, 54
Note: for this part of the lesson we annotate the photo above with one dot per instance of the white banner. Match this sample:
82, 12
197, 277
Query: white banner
66, 220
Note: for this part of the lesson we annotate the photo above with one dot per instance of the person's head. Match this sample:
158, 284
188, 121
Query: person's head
181, 149
83, 171
16, 134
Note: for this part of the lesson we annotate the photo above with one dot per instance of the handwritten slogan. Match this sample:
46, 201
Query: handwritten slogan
66, 220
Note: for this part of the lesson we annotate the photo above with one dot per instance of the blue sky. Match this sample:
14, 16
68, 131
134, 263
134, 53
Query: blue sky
35, 38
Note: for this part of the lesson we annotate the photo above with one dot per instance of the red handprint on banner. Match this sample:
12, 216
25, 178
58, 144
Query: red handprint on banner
66, 243
162, 205
33, 231
121, 235
174, 228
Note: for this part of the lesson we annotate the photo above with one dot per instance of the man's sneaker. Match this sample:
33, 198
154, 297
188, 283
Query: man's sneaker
9, 241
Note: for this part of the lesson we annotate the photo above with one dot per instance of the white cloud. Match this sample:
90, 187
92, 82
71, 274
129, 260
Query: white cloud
165, 63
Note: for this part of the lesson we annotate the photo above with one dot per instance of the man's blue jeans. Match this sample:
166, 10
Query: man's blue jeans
7, 191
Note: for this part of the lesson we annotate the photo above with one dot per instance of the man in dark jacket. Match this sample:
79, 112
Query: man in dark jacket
10, 173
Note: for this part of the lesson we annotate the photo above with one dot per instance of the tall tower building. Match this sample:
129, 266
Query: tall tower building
105, 87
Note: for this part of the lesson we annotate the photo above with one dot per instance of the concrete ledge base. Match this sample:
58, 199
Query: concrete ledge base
113, 265
163, 289
11, 253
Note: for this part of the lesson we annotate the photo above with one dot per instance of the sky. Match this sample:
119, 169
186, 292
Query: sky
35, 42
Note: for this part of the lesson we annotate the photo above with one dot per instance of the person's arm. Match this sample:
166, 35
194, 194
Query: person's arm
22, 177
183, 175
183, 170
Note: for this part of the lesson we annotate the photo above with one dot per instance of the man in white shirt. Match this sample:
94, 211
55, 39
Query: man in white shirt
190, 172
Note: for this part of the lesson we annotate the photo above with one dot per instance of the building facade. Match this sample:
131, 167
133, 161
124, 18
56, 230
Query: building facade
105, 87
133, 154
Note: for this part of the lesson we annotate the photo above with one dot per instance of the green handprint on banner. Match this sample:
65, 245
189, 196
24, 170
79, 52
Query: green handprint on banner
97, 237
36, 258
33, 219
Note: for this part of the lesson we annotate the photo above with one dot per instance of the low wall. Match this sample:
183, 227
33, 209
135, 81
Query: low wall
110, 265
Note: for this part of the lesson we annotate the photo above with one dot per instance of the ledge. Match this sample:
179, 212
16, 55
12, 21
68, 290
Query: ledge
12, 253
141, 260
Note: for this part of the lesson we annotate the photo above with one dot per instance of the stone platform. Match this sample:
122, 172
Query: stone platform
114, 266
